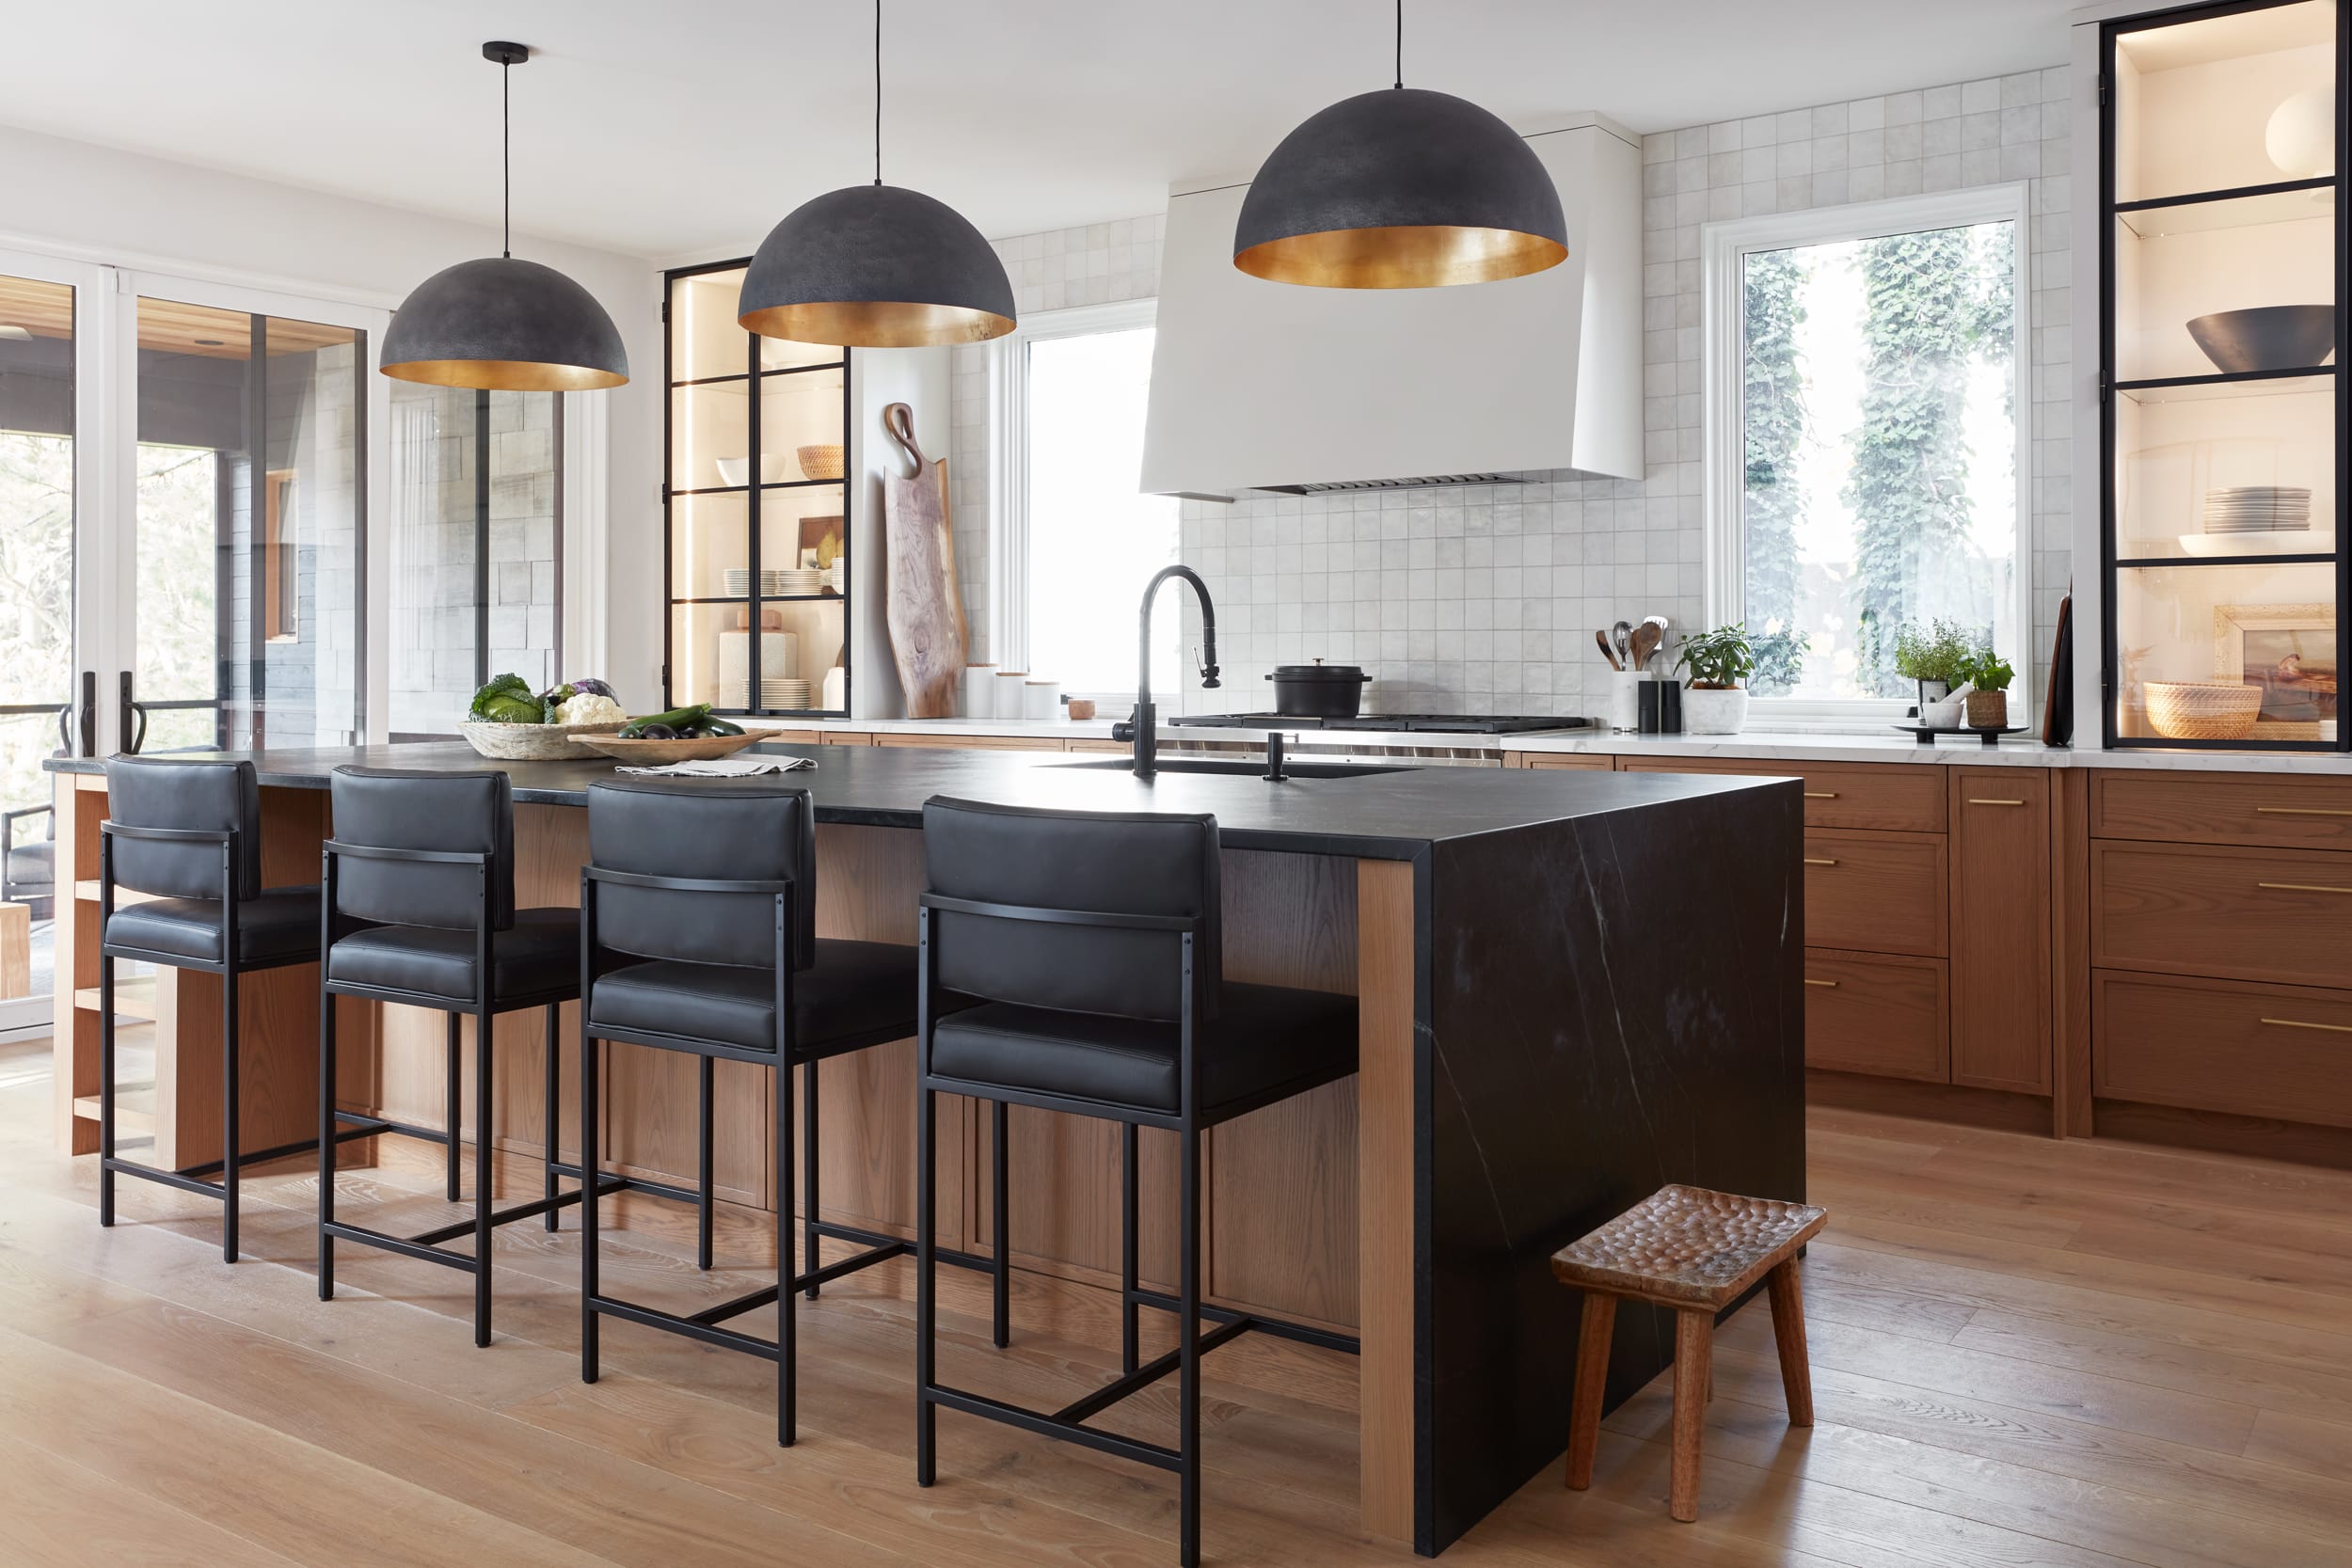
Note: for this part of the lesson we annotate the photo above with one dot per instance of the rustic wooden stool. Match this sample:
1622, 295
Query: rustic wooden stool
1694, 1251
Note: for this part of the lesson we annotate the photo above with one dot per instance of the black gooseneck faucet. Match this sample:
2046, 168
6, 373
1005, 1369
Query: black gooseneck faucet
1143, 728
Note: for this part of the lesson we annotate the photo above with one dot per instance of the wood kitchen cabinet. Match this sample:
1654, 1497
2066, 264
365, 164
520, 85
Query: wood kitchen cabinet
2000, 848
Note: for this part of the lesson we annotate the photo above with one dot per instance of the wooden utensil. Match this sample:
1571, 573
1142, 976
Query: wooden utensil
1658, 622
926, 616
1645, 638
1606, 651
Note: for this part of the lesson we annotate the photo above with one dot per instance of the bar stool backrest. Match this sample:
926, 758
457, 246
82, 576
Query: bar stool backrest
1100, 863
736, 830
204, 796
398, 808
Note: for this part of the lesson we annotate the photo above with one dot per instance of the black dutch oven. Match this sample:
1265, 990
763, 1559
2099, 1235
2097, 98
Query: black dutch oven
1318, 690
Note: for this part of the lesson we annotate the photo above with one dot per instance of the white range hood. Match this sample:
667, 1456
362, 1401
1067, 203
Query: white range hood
1271, 386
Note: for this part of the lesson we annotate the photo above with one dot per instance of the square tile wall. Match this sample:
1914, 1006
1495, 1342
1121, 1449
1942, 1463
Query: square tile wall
1484, 599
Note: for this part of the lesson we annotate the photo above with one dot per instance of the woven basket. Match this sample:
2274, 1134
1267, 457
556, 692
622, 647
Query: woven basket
2202, 710
532, 742
820, 462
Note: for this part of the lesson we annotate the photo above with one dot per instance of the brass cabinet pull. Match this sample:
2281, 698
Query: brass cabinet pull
1811, 860
2303, 810
1832, 985
2302, 887
1975, 801
1820, 795
2293, 1023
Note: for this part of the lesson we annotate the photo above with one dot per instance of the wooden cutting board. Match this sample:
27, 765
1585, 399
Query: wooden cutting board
925, 613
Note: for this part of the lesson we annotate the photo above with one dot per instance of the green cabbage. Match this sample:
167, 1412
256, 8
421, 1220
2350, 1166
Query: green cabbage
507, 700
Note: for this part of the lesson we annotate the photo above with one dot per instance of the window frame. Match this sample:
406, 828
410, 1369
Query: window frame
1725, 247
1009, 460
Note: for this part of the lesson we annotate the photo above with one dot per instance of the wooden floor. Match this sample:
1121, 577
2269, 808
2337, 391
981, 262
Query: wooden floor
2024, 1352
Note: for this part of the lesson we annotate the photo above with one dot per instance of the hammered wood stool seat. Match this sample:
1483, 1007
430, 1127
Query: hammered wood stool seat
1696, 1252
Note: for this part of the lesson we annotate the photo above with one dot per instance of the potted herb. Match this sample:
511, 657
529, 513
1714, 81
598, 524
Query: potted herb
1989, 676
1717, 660
1936, 655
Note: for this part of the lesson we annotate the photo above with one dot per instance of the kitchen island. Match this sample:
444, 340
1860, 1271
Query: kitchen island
1574, 988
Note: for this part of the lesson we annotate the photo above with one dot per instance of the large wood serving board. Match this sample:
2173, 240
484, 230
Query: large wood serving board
926, 614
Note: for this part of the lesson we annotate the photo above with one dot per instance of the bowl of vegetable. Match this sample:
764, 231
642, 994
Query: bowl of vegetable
681, 734
510, 722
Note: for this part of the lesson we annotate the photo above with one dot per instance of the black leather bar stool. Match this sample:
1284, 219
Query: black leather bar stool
1094, 939
189, 833
699, 934
419, 908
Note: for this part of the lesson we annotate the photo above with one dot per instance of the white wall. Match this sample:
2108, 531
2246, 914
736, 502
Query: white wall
99, 204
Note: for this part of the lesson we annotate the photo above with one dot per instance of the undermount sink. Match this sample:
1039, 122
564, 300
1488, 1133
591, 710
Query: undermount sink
1242, 768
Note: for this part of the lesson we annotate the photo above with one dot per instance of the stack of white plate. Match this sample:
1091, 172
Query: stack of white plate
780, 693
774, 582
2258, 509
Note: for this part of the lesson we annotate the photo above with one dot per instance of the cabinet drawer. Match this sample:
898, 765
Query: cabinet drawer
2222, 808
1875, 893
1864, 1012
2220, 1045
967, 742
2236, 914
1904, 796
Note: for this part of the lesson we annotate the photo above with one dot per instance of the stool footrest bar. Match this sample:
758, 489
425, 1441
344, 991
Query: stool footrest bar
1146, 1375
977, 1261
1049, 1426
166, 1178
1327, 1338
764, 1296
866, 1259
406, 1246
707, 1333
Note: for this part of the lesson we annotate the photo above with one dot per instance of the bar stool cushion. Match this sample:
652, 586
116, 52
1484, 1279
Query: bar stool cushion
280, 926
33, 865
537, 956
859, 993
1265, 1038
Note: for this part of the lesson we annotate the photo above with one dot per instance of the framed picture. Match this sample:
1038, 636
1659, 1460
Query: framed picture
2289, 650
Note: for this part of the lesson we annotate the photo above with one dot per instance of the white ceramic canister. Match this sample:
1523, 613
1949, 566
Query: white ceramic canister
980, 691
1040, 699
1624, 694
1007, 693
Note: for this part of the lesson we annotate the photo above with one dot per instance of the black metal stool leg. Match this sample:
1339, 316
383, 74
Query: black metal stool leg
546, 1116
457, 1109
927, 1177
484, 1181
787, 1339
808, 1172
327, 1139
229, 1129
1188, 1349
1128, 1283
1000, 1230
588, 1368
705, 1168
105, 1089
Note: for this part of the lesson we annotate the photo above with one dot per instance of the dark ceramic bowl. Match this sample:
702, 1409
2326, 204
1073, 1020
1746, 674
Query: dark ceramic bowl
2270, 338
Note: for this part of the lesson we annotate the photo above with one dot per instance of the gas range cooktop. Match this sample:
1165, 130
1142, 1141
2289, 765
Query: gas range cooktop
1431, 724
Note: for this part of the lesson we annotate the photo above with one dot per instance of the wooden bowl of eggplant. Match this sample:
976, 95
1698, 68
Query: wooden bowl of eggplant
683, 735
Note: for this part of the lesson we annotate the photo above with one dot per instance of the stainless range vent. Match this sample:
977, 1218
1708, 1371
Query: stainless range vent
1421, 482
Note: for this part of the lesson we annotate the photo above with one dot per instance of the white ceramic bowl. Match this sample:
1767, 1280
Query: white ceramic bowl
775, 467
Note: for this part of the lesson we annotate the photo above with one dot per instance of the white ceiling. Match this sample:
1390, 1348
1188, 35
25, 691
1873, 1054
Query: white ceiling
666, 127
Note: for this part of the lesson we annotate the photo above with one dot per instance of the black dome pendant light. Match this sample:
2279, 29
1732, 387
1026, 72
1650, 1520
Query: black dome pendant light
1400, 189
877, 266
500, 323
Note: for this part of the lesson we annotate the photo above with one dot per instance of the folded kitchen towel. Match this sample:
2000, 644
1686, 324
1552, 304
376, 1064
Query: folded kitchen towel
725, 767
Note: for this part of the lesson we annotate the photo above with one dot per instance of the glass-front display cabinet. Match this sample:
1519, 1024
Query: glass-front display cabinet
758, 516
2222, 404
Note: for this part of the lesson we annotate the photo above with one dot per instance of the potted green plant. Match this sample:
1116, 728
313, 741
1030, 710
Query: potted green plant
1989, 675
1936, 655
1717, 662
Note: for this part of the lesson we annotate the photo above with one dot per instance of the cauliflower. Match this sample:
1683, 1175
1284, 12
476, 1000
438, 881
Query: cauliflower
589, 707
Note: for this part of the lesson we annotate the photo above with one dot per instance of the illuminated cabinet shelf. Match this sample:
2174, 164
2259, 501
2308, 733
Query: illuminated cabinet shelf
2221, 415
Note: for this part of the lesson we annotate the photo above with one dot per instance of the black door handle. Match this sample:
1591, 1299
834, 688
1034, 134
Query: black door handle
89, 715
133, 737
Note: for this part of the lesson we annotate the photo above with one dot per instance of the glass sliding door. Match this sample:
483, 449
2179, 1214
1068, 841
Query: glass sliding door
476, 559
250, 532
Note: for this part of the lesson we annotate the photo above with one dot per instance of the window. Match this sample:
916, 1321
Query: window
1864, 374
1076, 540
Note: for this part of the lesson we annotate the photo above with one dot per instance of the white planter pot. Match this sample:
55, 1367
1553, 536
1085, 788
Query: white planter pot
1710, 712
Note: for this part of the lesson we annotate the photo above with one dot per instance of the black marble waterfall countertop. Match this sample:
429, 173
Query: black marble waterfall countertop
1382, 815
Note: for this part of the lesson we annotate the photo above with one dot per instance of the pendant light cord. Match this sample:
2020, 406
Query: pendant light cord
506, 159
1400, 40
878, 91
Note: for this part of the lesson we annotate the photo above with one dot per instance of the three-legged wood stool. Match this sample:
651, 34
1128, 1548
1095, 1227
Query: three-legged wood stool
1694, 1251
